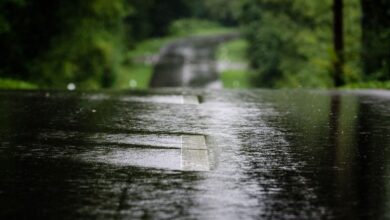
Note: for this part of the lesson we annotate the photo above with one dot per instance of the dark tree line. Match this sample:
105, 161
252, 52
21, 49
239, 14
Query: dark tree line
376, 39
52, 43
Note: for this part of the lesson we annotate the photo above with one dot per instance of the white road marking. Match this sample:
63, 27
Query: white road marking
194, 153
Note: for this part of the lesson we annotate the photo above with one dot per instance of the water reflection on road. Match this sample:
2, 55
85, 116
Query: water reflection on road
274, 154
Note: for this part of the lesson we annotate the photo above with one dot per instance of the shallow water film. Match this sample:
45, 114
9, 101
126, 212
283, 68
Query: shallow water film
195, 154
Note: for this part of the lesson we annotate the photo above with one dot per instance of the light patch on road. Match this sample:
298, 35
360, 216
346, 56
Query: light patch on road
190, 99
194, 153
185, 152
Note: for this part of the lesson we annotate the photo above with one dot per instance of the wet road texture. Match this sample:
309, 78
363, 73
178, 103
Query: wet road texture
195, 154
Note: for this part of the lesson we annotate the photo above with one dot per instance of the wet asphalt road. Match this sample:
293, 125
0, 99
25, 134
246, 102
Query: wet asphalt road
190, 62
267, 154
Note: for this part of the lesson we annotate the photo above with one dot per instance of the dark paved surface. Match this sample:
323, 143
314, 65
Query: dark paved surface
118, 155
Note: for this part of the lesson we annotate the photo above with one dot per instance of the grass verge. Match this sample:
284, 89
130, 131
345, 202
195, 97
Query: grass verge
235, 79
16, 84
135, 76
233, 51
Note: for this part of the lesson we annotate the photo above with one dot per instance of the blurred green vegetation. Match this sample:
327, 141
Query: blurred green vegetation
110, 44
178, 29
234, 51
93, 43
291, 42
141, 69
16, 84
233, 79
376, 39
53, 43
136, 76
184, 26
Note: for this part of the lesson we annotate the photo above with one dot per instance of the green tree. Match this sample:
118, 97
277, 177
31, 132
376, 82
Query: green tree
291, 43
376, 39
225, 11
57, 42
151, 18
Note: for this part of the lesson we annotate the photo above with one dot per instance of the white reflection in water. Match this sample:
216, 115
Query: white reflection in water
150, 151
144, 140
173, 99
225, 190
168, 141
148, 158
247, 146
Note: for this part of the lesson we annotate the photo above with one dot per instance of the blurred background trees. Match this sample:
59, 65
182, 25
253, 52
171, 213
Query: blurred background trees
53, 43
56, 42
376, 39
318, 44
290, 43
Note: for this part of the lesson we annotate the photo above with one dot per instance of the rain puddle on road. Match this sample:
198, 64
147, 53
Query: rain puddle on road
288, 154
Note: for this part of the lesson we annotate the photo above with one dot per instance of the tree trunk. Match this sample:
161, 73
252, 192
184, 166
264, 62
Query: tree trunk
338, 42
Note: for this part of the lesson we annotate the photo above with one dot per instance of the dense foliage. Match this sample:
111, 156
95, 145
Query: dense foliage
53, 43
376, 39
57, 42
291, 42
